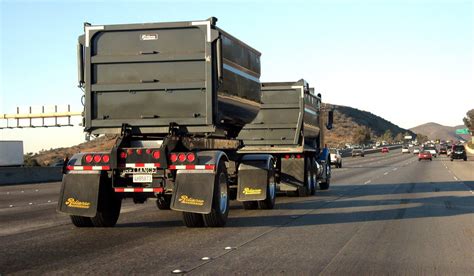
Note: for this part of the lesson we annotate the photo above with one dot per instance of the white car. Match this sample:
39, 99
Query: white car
416, 150
432, 150
336, 158
405, 149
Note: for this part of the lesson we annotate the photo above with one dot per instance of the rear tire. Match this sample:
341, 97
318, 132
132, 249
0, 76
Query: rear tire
163, 202
269, 202
325, 185
108, 210
192, 220
250, 205
79, 221
220, 200
451, 159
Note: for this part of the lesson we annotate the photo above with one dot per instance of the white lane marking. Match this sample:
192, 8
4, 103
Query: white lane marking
394, 169
385, 173
367, 182
455, 178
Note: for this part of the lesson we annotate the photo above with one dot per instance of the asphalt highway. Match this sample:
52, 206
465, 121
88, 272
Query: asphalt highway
384, 214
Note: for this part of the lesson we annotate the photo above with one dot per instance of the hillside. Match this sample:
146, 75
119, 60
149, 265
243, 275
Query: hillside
346, 121
49, 157
436, 131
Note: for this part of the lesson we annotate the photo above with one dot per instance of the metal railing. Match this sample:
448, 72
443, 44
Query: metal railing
18, 118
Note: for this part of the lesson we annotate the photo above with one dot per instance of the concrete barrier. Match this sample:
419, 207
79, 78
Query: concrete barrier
348, 152
26, 175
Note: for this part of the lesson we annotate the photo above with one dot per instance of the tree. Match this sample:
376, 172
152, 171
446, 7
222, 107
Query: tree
361, 136
399, 137
469, 120
387, 136
420, 138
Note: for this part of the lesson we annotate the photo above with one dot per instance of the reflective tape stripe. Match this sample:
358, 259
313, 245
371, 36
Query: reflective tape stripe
142, 165
88, 168
138, 190
192, 167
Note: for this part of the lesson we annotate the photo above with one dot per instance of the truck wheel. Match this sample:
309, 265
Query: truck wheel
340, 165
108, 210
192, 220
220, 200
250, 205
79, 221
305, 190
325, 185
269, 202
465, 158
163, 202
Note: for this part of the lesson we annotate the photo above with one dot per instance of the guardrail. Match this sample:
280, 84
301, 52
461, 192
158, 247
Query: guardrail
28, 175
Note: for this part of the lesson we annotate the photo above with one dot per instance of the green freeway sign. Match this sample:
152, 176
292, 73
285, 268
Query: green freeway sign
462, 131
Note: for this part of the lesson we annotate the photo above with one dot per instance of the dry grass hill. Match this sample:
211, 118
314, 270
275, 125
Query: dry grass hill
436, 131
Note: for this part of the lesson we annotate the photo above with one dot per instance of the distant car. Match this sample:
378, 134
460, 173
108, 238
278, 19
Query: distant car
358, 151
405, 149
432, 150
459, 152
443, 150
336, 158
425, 155
416, 151
385, 150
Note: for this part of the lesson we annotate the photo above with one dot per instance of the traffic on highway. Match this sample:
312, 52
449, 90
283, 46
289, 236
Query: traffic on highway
382, 211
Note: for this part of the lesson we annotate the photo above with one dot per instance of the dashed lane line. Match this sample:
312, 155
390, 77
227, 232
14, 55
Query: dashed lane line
367, 182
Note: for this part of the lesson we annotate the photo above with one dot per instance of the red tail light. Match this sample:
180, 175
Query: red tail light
174, 157
129, 151
97, 158
148, 151
156, 154
123, 155
287, 156
105, 158
298, 156
139, 151
88, 158
191, 157
182, 157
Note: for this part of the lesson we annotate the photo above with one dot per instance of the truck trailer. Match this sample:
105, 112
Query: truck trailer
177, 95
290, 127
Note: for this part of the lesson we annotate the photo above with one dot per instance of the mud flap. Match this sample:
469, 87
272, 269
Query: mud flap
252, 181
193, 191
79, 194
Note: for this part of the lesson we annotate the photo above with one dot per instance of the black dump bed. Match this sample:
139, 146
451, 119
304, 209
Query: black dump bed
289, 119
152, 75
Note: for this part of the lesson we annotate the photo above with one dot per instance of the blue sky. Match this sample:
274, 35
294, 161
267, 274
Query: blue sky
402, 60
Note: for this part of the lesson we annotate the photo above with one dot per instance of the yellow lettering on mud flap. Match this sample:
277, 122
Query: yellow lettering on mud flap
190, 201
250, 191
74, 203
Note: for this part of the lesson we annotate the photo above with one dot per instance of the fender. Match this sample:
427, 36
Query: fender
253, 174
194, 189
79, 192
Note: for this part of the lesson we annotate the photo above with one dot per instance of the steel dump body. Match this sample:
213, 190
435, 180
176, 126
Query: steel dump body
190, 74
289, 120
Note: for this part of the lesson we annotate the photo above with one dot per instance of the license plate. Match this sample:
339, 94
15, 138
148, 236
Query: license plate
142, 178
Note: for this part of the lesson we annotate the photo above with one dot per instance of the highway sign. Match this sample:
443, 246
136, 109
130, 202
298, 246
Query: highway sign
462, 131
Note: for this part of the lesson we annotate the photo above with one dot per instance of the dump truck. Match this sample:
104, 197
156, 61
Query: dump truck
290, 126
177, 95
